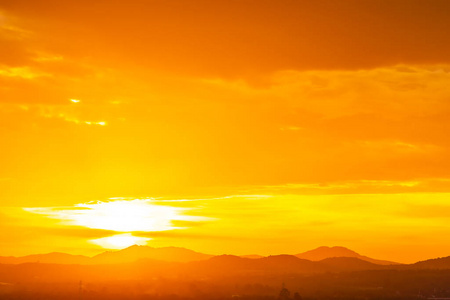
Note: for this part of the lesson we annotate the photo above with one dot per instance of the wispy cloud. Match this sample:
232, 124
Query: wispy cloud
22, 72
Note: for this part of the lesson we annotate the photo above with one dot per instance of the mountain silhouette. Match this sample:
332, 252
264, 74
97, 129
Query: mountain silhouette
112, 266
224, 263
231, 264
130, 254
277, 264
324, 252
432, 264
176, 254
133, 253
289, 263
341, 264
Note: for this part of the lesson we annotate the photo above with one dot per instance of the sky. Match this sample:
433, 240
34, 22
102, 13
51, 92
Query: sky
238, 126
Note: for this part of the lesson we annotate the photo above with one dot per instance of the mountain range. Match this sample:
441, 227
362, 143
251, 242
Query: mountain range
130, 254
316, 260
173, 254
329, 252
141, 262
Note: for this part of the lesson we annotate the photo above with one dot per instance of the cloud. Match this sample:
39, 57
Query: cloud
206, 39
75, 232
218, 137
207, 122
180, 234
24, 73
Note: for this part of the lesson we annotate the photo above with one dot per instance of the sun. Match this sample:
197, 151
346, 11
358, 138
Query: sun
122, 216
127, 216
120, 241
119, 215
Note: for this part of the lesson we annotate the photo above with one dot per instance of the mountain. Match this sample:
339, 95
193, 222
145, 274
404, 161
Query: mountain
223, 263
276, 264
130, 254
111, 266
223, 266
340, 264
289, 263
135, 253
327, 252
175, 254
324, 252
436, 264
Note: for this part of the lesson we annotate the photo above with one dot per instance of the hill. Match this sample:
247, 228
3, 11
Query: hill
130, 254
134, 253
324, 252
175, 254
432, 264
346, 264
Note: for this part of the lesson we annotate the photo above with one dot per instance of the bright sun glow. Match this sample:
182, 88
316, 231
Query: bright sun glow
120, 241
74, 100
120, 215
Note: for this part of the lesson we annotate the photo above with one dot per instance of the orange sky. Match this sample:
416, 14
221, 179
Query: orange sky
283, 125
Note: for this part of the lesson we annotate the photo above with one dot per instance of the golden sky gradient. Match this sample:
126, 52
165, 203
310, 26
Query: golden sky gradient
242, 127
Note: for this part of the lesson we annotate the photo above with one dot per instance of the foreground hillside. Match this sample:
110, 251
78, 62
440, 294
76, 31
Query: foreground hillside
224, 277
149, 281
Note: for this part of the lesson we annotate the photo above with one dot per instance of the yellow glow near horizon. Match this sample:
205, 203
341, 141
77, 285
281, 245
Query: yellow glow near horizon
120, 241
74, 100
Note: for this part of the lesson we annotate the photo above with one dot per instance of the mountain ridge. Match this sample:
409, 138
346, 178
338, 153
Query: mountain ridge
324, 252
231, 266
133, 253
175, 254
